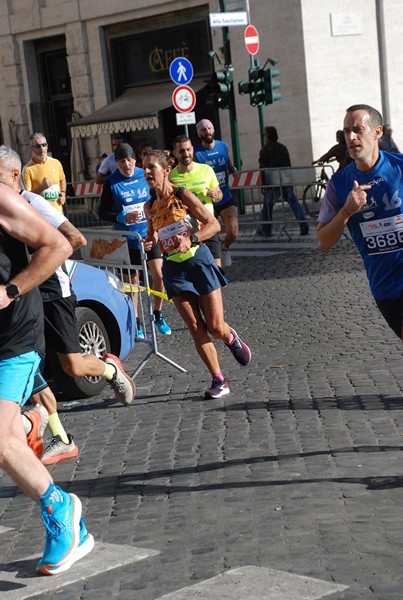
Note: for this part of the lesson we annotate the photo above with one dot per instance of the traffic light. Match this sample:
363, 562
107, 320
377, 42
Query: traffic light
256, 79
251, 87
261, 85
270, 84
244, 87
220, 87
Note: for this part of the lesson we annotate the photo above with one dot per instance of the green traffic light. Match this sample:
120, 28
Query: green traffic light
244, 87
271, 84
220, 87
254, 73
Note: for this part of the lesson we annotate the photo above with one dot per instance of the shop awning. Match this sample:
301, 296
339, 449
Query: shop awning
136, 109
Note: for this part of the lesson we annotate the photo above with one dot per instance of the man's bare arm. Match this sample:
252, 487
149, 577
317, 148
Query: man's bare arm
73, 235
330, 233
100, 178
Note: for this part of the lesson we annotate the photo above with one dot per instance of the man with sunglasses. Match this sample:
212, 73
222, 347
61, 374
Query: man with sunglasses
43, 174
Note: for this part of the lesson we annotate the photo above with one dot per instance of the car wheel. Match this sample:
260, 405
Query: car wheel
93, 340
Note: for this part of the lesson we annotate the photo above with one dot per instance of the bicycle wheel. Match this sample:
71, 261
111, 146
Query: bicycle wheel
311, 198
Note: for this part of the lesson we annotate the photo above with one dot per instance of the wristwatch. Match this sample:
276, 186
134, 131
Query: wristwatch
194, 239
13, 292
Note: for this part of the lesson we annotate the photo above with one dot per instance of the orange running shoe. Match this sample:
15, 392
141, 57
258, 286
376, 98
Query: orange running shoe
38, 417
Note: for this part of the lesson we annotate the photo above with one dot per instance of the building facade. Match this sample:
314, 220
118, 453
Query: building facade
79, 70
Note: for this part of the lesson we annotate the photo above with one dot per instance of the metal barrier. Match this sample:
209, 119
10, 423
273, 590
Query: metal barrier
81, 208
108, 249
82, 205
254, 183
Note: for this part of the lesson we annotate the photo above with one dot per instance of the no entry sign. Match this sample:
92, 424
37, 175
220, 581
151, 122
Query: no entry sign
184, 98
251, 38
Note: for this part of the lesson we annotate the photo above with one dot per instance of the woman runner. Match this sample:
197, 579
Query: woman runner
191, 277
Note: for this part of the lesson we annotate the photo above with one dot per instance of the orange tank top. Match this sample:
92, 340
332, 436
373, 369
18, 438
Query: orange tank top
171, 218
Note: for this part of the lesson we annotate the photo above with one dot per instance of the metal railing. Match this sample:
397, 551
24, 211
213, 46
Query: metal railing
81, 208
255, 183
108, 249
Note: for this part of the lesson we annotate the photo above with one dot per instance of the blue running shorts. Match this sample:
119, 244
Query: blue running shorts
17, 376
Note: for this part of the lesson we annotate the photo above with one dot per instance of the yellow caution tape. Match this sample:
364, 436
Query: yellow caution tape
131, 287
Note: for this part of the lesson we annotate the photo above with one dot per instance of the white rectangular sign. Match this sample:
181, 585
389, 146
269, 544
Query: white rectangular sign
346, 23
186, 118
228, 19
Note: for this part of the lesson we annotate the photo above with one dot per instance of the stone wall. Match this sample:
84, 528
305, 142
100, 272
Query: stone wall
321, 73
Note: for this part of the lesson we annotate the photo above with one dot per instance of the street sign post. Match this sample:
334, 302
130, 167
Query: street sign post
251, 38
181, 71
184, 98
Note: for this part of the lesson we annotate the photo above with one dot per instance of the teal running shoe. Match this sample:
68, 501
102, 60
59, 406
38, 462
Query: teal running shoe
162, 326
140, 332
67, 539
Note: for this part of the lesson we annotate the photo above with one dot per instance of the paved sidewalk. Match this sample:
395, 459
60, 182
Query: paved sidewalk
298, 472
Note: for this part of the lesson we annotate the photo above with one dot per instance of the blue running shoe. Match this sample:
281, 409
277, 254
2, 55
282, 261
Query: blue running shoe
85, 546
162, 326
239, 349
62, 534
139, 333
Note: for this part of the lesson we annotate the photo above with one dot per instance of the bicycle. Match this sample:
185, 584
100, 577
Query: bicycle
314, 192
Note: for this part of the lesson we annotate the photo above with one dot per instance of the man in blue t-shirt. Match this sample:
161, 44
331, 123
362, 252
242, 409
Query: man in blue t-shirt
367, 197
215, 154
122, 203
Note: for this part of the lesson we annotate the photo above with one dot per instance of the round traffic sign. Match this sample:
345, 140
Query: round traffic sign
251, 38
181, 71
184, 98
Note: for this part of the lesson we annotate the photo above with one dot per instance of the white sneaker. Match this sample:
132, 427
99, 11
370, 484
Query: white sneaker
121, 383
57, 450
225, 256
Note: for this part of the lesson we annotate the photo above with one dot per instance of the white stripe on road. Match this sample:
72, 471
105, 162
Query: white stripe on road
20, 580
257, 583
5, 529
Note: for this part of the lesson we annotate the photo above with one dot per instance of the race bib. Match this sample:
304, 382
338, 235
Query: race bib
221, 178
139, 208
51, 193
167, 235
384, 235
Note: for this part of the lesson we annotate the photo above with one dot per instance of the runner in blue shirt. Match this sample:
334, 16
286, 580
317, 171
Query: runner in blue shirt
367, 197
122, 203
215, 154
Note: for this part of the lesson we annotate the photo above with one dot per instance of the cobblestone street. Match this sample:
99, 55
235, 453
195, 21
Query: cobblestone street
298, 470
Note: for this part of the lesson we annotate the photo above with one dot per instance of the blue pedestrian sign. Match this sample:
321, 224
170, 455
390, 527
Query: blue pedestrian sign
181, 71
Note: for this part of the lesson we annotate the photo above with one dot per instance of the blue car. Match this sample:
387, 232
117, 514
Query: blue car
106, 323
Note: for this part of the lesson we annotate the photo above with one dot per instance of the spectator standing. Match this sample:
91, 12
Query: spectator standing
386, 142
338, 151
122, 203
367, 197
199, 179
274, 155
215, 153
21, 345
108, 165
43, 174
101, 158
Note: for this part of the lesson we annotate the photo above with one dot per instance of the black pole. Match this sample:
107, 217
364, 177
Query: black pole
232, 108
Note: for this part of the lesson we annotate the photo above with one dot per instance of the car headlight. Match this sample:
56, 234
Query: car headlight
115, 282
